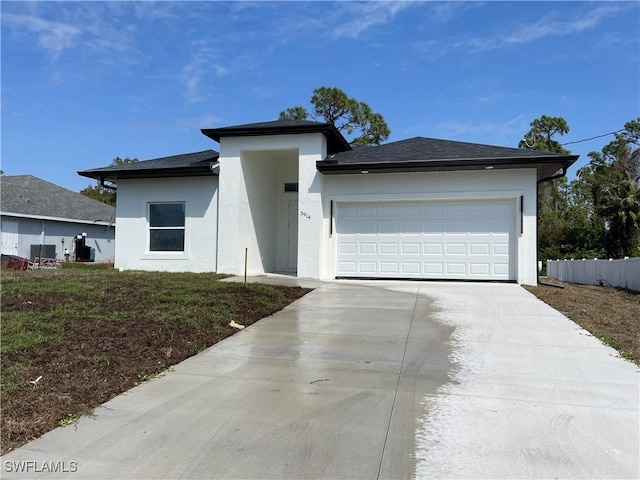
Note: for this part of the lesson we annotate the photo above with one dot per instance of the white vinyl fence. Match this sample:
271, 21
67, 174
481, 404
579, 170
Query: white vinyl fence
624, 272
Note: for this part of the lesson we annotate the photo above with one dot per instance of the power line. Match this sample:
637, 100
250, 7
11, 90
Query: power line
593, 138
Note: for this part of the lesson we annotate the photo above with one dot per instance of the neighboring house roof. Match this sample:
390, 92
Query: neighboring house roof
187, 164
429, 154
335, 141
29, 196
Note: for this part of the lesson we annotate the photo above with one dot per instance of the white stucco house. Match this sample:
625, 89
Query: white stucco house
41, 219
298, 199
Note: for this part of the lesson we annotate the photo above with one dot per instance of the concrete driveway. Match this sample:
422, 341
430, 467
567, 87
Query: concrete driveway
372, 380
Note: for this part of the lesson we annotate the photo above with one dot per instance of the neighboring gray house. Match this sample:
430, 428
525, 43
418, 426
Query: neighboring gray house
42, 219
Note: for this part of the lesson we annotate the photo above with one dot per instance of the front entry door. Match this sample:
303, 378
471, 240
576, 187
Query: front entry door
292, 255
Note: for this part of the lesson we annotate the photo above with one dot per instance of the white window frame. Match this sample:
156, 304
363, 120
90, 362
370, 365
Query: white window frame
183, 228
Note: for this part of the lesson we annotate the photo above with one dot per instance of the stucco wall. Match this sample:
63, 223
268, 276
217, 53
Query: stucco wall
61, 234
200, 196
258, 201
238, 192
494, 184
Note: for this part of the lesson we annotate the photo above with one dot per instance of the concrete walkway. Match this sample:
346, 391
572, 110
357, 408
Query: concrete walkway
372, 380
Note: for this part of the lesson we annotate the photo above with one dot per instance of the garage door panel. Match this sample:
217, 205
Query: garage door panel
500, 249
456, 268
346, 268
389, 248
411, 268
389, 267
479, 248
367, 268
479, 269
433, 268
370, 248
447, 240
411, 249
347, 248
432, 248
501, 269
456, 249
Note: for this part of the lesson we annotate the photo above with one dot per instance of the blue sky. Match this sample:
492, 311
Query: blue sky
84, 82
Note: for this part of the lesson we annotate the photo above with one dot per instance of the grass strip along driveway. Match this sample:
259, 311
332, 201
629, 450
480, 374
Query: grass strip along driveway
73, 339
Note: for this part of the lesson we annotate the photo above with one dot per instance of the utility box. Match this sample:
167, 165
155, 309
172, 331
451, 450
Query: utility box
42, 251
83, 253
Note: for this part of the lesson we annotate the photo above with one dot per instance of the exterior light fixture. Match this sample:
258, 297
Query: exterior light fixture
364, 171
488, 167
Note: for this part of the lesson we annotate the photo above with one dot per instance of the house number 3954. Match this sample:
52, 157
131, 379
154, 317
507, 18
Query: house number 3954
305, 214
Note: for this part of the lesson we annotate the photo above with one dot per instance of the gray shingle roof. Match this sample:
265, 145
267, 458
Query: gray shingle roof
417, 154
335, 141
175, 165
29, 195
423, 154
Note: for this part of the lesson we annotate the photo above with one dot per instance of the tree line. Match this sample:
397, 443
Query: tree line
597, 214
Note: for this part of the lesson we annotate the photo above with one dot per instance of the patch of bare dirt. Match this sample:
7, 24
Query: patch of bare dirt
99, 358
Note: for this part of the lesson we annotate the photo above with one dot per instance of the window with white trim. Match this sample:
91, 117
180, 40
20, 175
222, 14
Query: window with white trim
166, 227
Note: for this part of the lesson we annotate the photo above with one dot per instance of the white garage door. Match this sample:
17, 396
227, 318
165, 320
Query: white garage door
473, 240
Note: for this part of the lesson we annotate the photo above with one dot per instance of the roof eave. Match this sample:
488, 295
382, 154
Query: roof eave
114, 175
58, 219
335, 141
543, 165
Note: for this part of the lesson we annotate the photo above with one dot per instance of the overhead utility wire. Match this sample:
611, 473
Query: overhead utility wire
593, 138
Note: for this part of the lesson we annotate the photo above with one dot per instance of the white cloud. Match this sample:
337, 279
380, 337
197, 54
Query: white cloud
524, 33
446, 11
365, 16
543, 28
202, 62
52, 36
98, 34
